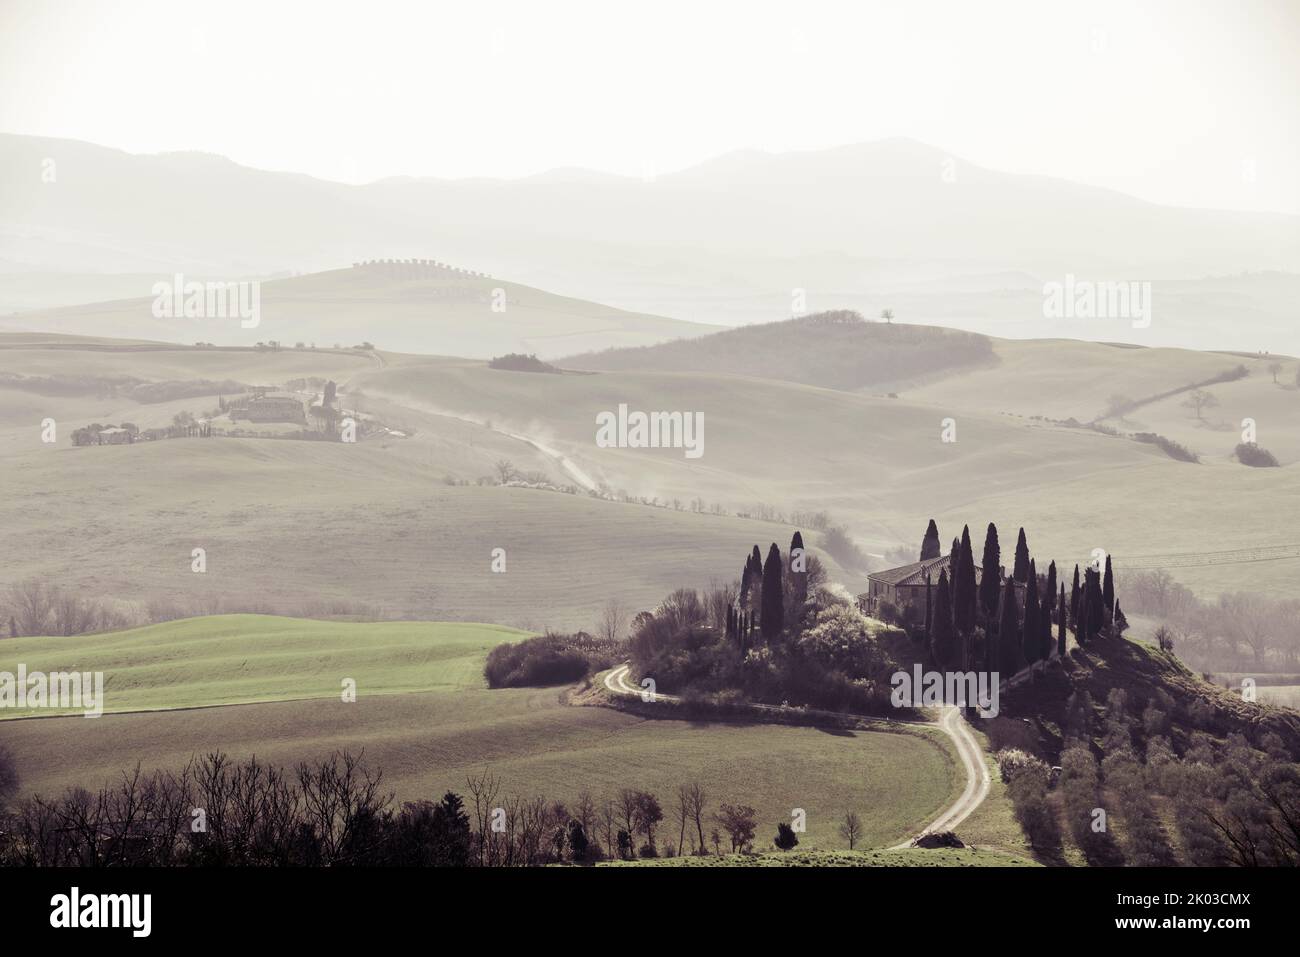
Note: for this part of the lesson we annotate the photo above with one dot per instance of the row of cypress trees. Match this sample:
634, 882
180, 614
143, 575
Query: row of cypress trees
761, 606
965, 621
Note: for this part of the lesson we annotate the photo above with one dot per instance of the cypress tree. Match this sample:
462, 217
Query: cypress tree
930, 547
798, 573
989, 583
964, 597
1074, 600
1031, 637
1081, 624
927, 606
772, 616
1060, 625
1021, 570
943, 645
1092, 600
1009, 632
1045, 614
1108, 591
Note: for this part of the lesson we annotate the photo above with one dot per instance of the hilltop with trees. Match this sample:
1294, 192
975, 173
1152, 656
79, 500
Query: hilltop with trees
837, 350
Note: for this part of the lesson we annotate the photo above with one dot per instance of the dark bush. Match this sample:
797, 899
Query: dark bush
1248, 453
550, 659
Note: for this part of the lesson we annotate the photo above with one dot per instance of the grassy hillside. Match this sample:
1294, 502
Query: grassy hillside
235, 659
446, 314
880, 465
429, 742
838, 350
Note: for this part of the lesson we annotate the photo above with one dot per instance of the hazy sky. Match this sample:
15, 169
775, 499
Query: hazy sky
1179, 102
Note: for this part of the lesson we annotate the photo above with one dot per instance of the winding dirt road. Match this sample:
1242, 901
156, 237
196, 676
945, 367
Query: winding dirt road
968, 750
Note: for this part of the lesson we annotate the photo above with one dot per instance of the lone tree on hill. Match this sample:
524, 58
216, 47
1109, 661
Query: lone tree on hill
930, 547
1200, 400
943, 644
773, 606
1031, 639
1021, 571
989, 575
1009, 632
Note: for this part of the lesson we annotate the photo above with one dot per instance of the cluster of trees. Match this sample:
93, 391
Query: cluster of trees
777, 635
1228, 801
1238, 631
518, 362
219, 813
35, 607
550, 659
1004, 625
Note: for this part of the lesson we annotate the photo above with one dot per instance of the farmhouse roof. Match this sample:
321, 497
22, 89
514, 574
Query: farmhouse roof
914, 573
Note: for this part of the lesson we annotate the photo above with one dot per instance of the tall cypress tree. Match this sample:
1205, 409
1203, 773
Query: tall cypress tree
1081, 625
964, 597
930, 547
928, 609
1108, 591
773, 606
943, 644
1009, 632
1021, 570
1045, 611
989, 583
798, 573
1074, 600
1060, 625
1031, 633
1092, 601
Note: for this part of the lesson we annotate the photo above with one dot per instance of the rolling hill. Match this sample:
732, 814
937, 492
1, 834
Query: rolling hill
893, 223
422, 309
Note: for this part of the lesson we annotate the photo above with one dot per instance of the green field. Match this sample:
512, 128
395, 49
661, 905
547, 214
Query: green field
236, 659
424, 717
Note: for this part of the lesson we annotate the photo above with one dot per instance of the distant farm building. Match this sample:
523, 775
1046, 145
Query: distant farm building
114, 436
265, 406
904, 587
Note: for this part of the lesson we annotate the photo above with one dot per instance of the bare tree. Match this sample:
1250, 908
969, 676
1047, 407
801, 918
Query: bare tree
505, 470
613, 619
698, 799
31, 604
851, 828
683, 809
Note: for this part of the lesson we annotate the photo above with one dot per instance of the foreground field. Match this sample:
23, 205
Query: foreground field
429, 742
236, 659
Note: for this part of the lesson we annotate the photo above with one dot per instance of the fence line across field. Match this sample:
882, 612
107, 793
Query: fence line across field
1264, 553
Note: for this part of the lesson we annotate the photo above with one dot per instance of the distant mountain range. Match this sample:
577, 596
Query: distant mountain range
745, 237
